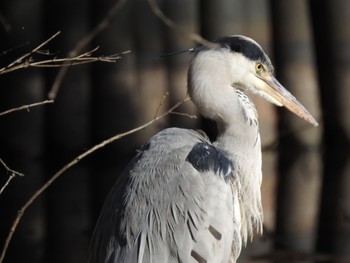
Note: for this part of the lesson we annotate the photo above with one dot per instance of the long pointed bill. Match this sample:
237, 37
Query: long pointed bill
277, 92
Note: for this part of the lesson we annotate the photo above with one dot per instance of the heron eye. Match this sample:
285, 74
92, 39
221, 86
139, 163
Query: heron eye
259, 68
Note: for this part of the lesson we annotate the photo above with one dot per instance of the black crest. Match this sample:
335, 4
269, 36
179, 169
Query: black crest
245, 46
240, 44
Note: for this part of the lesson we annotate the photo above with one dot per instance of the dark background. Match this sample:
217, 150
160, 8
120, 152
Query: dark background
306, 185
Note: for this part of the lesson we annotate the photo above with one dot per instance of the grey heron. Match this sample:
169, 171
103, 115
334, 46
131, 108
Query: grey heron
183, 198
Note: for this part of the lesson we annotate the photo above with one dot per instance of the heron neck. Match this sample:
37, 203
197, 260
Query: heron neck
210, 81
241, 141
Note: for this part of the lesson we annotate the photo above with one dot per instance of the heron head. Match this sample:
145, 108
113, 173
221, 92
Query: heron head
251, 69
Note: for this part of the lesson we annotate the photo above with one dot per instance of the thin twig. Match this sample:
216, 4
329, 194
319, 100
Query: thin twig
7, 183
161, 104
12, 173
9, 170
26, 107
71, 164
83, 43
172, 25
63, 62
22, 58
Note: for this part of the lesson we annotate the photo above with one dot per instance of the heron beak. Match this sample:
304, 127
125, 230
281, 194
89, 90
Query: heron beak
273, 89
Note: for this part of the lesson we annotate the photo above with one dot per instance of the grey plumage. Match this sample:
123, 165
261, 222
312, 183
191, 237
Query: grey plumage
183, 198
188, 200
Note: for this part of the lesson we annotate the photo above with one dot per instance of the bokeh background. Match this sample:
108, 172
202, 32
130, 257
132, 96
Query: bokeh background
306, 185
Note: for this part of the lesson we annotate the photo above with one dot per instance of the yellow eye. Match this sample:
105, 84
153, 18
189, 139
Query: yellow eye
259, 67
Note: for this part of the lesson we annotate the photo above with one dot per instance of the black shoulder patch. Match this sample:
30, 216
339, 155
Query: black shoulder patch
244, 46
205, 157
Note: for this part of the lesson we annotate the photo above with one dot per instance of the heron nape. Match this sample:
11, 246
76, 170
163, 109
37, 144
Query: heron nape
183, 198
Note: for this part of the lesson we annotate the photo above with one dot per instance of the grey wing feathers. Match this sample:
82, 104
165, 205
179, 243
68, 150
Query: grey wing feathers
162, 209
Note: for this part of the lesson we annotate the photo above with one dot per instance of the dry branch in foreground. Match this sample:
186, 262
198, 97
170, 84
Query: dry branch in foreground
76, 160
28, 60
26, 107
12, 173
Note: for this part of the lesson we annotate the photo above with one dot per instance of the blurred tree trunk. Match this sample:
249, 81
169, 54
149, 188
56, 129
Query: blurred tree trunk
221, 18
151, 73
300, 158
185, 14
68, 135
331, 19
22, 133
114, 99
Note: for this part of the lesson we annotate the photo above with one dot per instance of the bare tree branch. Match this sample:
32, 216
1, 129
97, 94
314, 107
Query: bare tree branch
161, 104
173, 26
9, 170
73, 59
12, 173
65, 62
26, 107
71, 164
27, 60
22, 58
7, 183
83, 43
